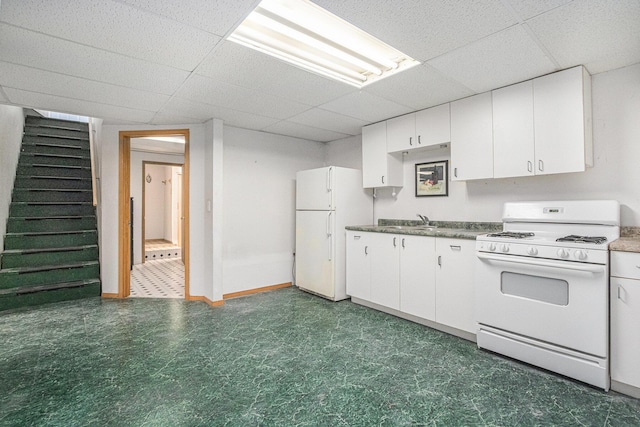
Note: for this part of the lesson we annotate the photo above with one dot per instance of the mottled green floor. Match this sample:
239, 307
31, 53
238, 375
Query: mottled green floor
280, 358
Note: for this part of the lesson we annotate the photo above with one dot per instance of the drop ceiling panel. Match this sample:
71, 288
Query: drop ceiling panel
365, 106
3, 99
329, 120
173, 119
74, 106
418, 88
304, 132
114, 27
526, 9
424, 29
20, 77
601, 35
203, 112
52, 54
501, 59
203, 89
214, 16
236, 64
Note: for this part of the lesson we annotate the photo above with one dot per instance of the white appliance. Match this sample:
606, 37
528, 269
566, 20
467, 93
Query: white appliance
542, 286
327, 200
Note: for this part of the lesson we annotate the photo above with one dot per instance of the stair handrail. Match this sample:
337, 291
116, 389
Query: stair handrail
93, 165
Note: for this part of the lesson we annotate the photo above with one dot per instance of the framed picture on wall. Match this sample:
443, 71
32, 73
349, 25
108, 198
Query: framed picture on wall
432, 179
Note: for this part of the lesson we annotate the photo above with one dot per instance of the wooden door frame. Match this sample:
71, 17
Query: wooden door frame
142, 227
124, 184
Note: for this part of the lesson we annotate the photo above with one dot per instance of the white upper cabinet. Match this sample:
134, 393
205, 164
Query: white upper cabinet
379, 168
401, 133
513, 137
562, 122
421, 129
472, 138
433, 126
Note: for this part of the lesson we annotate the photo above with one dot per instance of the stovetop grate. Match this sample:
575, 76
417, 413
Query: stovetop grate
511, 234
582, 239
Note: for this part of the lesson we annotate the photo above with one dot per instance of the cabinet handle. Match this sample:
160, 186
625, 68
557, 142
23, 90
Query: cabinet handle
540, 165
455, 172
366, 250
394, 242
403, 243
410, 140
440, 260
529, 166
455, 247
621, 293
383, 179
419, 141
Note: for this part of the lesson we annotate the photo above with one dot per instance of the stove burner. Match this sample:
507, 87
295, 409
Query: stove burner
511, 234
582, 239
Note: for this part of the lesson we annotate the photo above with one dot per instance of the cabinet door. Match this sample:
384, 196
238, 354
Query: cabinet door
625, 339
374, 153
358, 265
385, 269
562, 117
379, 169
401, 133
433, 126
513, 153
454, 283
418, 276
472, 138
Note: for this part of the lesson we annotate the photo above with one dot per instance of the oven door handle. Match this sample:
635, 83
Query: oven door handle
563, 265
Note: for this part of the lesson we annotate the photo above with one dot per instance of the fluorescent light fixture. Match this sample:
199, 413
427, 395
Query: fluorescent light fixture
312, 38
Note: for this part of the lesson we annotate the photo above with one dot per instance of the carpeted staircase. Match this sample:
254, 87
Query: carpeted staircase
51, 244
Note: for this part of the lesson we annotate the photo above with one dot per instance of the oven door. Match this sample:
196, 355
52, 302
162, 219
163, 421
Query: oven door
557, 302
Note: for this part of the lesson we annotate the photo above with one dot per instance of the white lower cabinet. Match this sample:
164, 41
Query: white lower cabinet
454, 283
385, 269
625, 318
427, 277
418, 276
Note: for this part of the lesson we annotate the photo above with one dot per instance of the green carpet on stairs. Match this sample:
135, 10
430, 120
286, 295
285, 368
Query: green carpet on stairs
50, 246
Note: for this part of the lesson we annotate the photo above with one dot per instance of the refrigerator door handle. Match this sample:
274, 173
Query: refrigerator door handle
330, 235
330, 185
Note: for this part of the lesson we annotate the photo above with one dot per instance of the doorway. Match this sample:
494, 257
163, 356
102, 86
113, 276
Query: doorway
126, 219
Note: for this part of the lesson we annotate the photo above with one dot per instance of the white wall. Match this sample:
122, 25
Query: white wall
346, 153
615, 175
173, 212
11, 128
259, 205
154, 199
137, 157
108, 147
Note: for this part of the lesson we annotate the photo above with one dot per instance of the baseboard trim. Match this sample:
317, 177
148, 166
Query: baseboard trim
627, 389
205, 300
105, 295
256, 290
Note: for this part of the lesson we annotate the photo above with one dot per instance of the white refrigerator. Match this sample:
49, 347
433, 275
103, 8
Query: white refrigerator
327, 200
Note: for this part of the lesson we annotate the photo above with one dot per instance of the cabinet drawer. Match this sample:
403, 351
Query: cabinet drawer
625, 264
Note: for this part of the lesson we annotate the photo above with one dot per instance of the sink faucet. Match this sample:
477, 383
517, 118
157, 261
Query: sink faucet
424, 219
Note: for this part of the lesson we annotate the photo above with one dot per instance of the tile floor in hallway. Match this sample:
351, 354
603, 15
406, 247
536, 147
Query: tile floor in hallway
280, 358
163, 278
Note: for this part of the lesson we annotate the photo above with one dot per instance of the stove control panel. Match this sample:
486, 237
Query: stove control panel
590, 256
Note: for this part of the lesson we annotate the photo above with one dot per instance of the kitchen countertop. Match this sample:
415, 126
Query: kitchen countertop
629, 240
451, 229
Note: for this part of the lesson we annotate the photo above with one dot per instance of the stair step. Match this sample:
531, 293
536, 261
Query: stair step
48, 256
48, 274
57, 170
55, 149
40, 224
53, 182
58, 292
50, 239
51, 195
33, 139
53, 159
56, 133
41, 209
56, 123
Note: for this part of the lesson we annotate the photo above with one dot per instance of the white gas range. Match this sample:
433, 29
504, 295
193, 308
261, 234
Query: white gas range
542, 286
